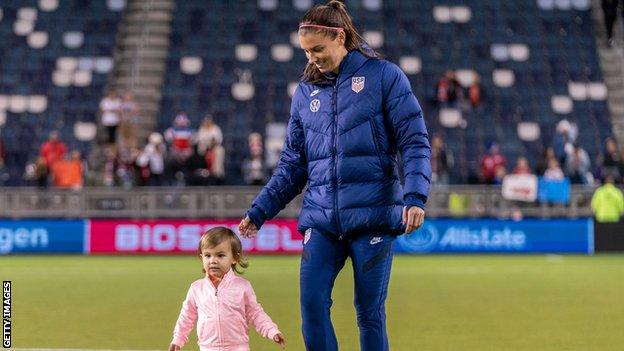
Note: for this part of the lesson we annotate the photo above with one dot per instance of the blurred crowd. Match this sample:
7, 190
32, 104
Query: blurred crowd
563, 158
188, 155
181, 155
450, 93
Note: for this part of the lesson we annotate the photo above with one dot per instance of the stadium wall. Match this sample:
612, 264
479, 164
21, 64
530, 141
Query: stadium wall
149, 237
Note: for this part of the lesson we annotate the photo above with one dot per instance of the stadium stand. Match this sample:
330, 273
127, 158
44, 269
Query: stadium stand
239, 60
537, 62
54, 60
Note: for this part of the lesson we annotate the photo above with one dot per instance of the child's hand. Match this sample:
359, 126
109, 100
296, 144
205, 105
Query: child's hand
279, 338
174, 347
247, 229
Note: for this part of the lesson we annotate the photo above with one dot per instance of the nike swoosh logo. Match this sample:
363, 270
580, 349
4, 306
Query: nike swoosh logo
376, 240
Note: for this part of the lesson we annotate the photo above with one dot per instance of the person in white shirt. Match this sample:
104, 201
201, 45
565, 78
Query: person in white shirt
110, 111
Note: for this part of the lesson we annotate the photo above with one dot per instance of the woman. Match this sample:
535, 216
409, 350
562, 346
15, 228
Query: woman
350, 115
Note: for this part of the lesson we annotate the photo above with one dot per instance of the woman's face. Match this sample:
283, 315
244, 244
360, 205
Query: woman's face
322, 51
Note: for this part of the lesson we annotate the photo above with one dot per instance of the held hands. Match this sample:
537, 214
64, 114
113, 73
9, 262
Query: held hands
413, 218
174, 347
279, 338
247, 229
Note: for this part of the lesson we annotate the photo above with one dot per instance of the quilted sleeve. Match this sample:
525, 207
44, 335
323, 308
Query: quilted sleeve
402, 110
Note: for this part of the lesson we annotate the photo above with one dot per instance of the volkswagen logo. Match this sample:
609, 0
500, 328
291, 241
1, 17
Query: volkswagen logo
315, 105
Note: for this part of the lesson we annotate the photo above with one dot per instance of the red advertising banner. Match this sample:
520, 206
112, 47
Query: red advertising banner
180, 236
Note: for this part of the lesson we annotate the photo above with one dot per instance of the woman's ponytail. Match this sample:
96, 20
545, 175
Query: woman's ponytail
338, 5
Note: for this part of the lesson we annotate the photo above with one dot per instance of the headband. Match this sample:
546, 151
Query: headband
307, 25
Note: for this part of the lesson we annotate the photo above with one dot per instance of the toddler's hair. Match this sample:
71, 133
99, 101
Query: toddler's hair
215, 236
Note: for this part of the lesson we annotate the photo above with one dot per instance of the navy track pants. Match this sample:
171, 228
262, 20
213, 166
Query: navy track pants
322, 259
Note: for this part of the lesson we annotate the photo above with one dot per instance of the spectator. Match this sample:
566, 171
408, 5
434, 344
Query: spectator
542, 164
180, 138
553, 172
448, 90
610, 160
129, 112
476, 93
578, 166
110, 110
441, 161
608, 202
208, 134
153, 158
52, 150
522, 166
69, 173
491, 162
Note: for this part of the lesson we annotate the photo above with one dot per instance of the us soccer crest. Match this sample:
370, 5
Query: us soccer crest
357, 84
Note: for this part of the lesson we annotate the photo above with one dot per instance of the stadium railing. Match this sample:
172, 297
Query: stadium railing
231, 202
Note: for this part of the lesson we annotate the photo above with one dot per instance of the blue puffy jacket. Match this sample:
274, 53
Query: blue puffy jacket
342, 141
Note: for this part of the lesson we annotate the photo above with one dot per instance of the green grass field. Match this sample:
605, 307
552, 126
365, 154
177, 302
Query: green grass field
435, 302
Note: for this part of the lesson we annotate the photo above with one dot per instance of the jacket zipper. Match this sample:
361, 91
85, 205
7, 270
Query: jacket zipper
218, 318
335, 152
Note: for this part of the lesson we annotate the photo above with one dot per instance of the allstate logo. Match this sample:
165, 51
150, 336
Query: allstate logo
423, 240
315, 105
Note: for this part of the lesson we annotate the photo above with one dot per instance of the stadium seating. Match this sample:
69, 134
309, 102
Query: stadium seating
537, 61
54, 59
239, 61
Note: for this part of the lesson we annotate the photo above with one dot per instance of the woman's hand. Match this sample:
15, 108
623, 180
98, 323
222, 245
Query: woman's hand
174, 347
279, 338
247, 229
413, 218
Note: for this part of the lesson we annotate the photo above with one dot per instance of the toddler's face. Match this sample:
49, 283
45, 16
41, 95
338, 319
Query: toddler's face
218, 260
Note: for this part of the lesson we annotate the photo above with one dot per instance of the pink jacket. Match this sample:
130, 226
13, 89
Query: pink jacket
223, 315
